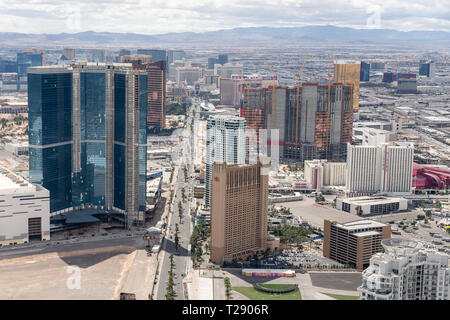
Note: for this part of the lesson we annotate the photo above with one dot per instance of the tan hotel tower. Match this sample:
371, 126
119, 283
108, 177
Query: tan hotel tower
239, 196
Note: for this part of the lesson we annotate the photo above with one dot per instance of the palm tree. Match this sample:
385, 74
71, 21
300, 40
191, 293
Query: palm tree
176, 237
3, 122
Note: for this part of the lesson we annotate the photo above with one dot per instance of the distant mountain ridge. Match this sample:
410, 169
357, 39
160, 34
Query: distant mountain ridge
232, 37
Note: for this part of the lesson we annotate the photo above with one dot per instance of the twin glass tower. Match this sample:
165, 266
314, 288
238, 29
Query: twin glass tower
87, 136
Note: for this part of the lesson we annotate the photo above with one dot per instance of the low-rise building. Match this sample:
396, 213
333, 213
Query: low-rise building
354, 243
24, 210
366, 206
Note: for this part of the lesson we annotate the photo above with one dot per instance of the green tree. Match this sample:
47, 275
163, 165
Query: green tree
227, 287
3, 122
177, 239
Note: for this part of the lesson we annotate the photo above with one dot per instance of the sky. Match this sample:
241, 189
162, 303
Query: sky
164, 16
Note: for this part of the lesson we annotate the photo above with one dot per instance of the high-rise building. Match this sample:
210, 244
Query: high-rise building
228, 69
316, 130
97, 55
124, 52
321, 173
348, 72
8, 66
222, 59
406, 271
157, 54
211, 62
379, 168
225, 143
239, 198
156, 72
406, 86
389, 77
138, 60
232, 89
187, 75
427, 68
68, 53
377, 65
364, 72
29, 58
87, 136
175, 55
354, 243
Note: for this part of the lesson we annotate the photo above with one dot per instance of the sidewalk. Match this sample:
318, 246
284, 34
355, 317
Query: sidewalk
141, 275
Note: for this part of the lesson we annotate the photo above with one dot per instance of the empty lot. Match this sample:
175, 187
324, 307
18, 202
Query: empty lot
102, 273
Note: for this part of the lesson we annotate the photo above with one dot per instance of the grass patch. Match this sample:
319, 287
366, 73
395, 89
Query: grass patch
276, 286
254, 294
341, 297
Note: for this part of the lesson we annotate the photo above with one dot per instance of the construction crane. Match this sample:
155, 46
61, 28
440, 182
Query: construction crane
274, 76
328, 120
299, 74
247, 88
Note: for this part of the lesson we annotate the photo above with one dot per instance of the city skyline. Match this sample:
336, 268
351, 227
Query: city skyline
173, 16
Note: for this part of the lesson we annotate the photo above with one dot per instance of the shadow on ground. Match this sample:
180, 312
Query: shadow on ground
88, 259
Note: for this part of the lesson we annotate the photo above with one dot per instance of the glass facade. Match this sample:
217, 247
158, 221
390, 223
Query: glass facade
50, 123
51, 138
89, 183
92, 106
50, 108
119, 136
119, 176
27, 59
142, 141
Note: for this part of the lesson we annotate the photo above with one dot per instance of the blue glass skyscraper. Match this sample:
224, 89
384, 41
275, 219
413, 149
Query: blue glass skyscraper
88, 136
28, 59
365, 71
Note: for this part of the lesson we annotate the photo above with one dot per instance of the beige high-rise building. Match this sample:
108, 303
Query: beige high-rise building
239, 196
348, 72
354, 243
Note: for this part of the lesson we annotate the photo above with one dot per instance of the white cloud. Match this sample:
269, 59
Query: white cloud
161, 16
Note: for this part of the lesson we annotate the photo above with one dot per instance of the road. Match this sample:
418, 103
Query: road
182, 256
133, 240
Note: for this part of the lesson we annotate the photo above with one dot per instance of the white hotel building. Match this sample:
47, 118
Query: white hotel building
24, 210
320, 174
225, 143
379, 169
406, 271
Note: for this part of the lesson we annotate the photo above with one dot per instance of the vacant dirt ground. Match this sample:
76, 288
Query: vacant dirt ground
48, 276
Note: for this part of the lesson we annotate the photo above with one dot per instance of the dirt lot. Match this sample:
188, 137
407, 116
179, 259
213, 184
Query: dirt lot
51, 276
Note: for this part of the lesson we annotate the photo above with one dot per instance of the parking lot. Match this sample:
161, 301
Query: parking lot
293, 258
315, 214
349, 281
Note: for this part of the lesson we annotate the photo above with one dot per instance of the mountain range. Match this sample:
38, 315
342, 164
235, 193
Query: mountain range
257, 36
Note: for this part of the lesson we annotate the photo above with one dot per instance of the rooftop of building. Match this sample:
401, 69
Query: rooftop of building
400, 246
80, 65
366, 233
360, 224
11, 182
371, 200
344, 61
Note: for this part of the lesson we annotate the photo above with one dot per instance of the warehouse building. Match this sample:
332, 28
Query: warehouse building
24, 210
366, 206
